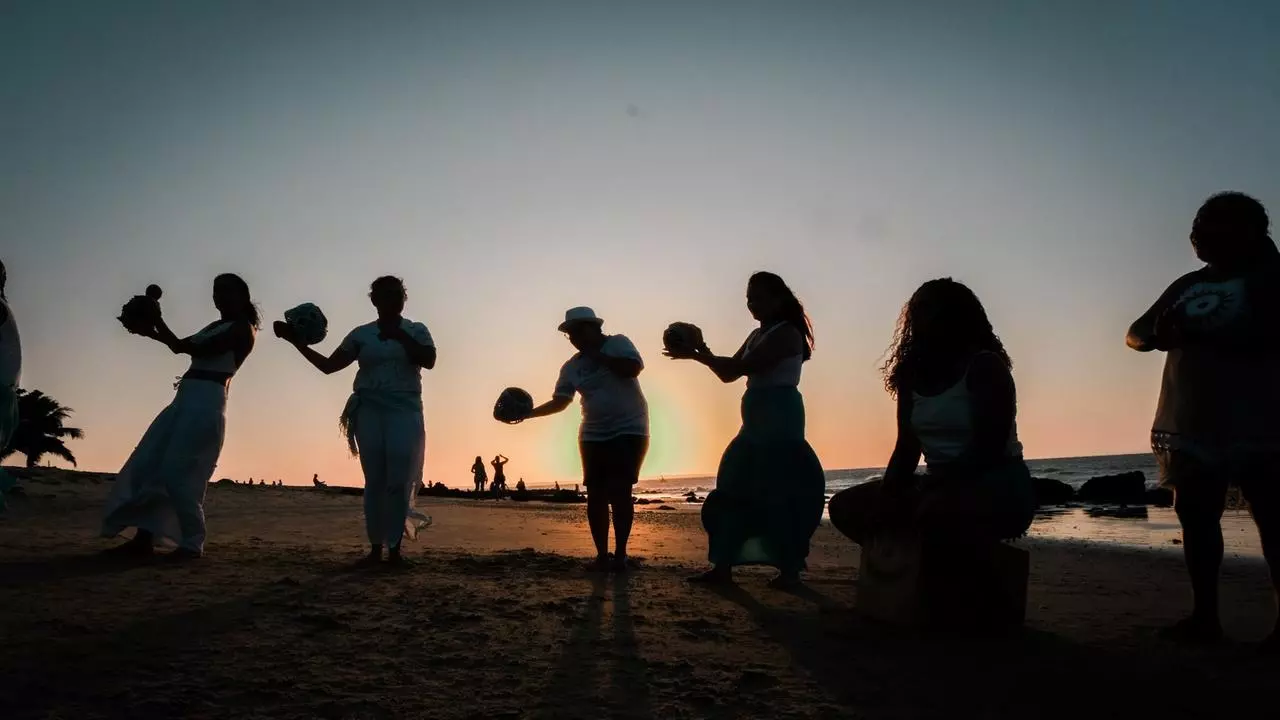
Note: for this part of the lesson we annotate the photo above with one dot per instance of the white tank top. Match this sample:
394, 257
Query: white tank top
944, 425
10, 350
223, 363
785, 374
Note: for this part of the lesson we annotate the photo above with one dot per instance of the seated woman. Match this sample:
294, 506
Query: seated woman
957, 405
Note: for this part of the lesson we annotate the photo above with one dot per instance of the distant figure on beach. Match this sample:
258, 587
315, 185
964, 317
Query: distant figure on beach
160, 490
957, 405
614, 435
520, 487
383, 418
317, 482
1216, 422
10, 376
479, 474
770, 486
499, 475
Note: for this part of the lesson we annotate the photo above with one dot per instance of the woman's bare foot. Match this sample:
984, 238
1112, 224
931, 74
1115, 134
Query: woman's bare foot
183, 555
620, 565
714, 576
396, 559
599, 565
138, 546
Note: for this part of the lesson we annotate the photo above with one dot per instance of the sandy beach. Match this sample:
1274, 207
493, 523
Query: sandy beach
496, 619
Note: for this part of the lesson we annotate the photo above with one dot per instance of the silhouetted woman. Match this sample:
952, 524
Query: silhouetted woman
1216, 422
10, 376
957, 406
160, 490
479, 475
770, 486
383, 418
499, 474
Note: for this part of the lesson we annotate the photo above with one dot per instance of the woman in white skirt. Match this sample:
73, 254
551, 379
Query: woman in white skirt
10, 376
383, 418
160, 490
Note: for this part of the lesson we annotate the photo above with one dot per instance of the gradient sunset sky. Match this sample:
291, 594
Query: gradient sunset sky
512, 159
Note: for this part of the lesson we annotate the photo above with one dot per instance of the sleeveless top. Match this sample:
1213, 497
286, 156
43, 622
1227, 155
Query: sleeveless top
221, 363
944, 426
10, 350
785, 374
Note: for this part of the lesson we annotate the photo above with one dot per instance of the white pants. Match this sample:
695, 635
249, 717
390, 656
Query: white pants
162, 485
392, 446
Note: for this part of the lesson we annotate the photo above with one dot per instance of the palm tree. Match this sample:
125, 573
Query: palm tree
40, 429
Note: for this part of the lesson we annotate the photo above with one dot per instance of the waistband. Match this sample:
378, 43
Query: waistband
223, 379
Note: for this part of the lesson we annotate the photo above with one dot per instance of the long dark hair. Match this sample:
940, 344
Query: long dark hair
4, 280
792, 309
958, 323
248, 310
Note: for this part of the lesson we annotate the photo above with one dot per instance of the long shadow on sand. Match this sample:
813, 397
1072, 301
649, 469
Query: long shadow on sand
881, 671
28, 573
37, 677
579, 670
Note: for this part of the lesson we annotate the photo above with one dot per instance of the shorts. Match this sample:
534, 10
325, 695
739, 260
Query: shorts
1183, 462
613, 463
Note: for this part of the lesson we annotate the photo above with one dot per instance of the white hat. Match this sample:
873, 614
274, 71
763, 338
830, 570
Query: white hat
573, 316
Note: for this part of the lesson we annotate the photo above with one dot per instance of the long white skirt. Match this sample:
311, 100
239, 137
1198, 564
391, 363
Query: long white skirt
8, 425
392, 444
162, 485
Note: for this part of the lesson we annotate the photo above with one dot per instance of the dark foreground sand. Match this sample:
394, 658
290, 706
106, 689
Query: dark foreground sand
497, 620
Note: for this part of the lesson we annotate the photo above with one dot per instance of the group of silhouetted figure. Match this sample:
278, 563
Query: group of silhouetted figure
480, 476
1216, 423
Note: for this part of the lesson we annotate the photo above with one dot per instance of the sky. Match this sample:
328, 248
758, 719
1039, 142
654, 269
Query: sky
512, 159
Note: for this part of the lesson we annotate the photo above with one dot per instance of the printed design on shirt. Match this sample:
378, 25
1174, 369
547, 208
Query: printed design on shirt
1212, 305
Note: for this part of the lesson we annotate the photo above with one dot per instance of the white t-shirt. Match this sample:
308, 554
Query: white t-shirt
10, 350
384, 364
612, 406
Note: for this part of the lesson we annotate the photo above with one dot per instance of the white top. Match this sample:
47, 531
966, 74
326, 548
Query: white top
384, 364
785, 374
943, 424
612, 406
221, 363
10, 350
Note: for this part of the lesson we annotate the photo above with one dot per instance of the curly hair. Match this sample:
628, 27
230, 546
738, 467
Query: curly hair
957, 309
391, 284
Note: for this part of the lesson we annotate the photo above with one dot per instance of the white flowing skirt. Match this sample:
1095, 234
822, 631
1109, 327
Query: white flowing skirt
161, 487
8, 425
392, 442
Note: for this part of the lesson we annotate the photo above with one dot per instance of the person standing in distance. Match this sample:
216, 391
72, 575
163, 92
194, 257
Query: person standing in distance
614, 436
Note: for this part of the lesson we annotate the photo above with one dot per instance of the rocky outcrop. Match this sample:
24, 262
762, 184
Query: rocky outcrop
1052, 492
1124, 489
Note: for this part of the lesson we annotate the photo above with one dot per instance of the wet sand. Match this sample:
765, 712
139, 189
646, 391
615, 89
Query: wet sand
496, 619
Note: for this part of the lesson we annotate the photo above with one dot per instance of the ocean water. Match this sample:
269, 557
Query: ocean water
1073, 471
1152, 528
